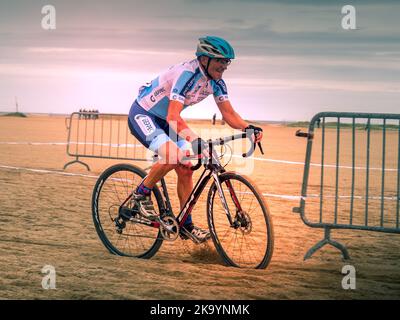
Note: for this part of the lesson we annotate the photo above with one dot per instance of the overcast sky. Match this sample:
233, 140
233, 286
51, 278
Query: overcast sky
294, 59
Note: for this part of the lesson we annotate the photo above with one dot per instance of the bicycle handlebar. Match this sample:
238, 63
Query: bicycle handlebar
222, 141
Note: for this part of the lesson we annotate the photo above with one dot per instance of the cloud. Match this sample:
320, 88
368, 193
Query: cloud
255, 27
312, 84
282, 46
312, 3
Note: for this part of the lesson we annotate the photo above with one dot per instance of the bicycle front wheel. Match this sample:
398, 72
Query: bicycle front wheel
247, 238
113, 187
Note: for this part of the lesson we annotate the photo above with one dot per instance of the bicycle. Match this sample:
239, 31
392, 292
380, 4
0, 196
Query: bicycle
241, 230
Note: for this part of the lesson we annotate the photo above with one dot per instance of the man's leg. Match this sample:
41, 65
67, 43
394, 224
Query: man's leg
185, 183
185, 187
171, 158
170, 155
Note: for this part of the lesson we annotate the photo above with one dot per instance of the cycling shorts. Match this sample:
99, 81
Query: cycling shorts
152, 131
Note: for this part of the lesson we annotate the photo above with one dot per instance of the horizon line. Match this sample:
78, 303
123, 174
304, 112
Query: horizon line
196, 119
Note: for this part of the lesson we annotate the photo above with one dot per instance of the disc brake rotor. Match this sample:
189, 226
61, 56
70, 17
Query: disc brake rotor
245, 223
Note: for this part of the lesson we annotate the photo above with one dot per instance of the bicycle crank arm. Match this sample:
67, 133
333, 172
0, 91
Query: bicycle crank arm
169, 228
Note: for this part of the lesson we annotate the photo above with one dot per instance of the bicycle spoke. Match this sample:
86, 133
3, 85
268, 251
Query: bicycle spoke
134, 239
248, 250
243, 243
123, 183
135, 227
250, 206
116, 191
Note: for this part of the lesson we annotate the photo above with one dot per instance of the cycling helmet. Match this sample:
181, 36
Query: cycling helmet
214, 47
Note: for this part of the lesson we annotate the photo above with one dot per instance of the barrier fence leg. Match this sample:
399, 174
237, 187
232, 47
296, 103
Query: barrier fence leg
76, 161
327, 240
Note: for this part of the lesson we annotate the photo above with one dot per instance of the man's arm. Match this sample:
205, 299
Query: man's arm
177, 123
233, 118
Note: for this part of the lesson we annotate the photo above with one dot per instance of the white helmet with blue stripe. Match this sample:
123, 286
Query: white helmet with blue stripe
214, 47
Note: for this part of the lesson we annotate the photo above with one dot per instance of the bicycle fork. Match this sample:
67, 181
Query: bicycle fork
223, 199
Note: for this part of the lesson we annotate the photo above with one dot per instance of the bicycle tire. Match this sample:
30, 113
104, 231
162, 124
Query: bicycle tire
97, 220
221, 245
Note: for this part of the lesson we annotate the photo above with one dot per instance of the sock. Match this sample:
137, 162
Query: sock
142, 189
188, 221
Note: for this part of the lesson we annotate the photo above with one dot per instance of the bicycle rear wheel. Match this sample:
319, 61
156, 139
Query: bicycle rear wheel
112, 188
249, 240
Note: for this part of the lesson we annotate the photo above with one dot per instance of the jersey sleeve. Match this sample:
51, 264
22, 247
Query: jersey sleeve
220, 91
181, 85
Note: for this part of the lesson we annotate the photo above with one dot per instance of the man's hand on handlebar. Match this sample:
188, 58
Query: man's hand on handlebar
257, 131
256, 134
200, 151
200, 147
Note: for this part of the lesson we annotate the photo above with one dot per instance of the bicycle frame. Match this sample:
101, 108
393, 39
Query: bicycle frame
194, 196
129, 220
212, 169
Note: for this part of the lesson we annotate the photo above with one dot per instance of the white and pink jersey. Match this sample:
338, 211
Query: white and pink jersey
186, 83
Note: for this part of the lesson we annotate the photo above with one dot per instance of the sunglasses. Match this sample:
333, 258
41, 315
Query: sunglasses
225, 62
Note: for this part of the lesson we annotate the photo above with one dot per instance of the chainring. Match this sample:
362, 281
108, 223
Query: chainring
169, 228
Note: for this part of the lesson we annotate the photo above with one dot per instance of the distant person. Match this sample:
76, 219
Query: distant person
157, 111
214, 118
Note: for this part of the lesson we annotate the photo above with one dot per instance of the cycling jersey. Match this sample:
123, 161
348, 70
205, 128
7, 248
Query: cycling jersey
186, 83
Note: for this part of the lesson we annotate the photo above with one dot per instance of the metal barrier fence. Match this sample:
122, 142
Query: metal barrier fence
105, 136
351, 176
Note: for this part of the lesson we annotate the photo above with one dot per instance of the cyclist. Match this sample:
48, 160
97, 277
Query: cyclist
154, 119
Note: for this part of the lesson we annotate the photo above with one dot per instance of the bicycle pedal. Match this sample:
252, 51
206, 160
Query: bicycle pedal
186, 235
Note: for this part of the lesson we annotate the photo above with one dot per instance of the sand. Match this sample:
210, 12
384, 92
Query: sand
45, 219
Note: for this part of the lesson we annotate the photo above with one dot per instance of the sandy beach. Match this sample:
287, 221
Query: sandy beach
46, 219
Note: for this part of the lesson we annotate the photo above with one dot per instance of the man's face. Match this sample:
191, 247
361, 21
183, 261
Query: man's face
217, 67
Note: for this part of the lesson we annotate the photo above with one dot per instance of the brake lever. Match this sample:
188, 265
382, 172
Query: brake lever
260, 146
258, 143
